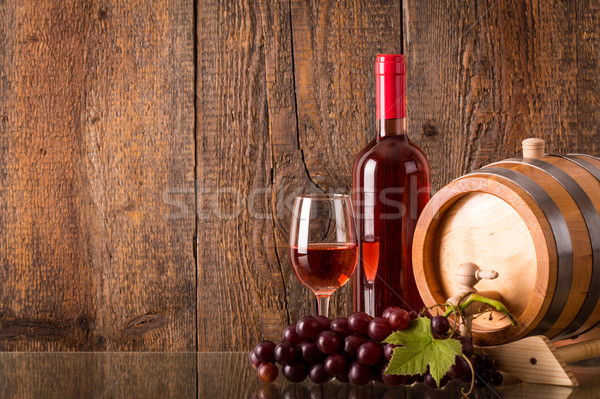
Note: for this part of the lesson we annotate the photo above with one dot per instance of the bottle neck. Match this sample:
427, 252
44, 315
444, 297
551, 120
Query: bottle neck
390, 94
391, 127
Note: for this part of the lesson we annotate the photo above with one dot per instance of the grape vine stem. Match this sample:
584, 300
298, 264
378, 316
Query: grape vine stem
499, 306
462, 390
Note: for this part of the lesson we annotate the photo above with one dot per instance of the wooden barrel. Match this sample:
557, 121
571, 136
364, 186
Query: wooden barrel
535, 221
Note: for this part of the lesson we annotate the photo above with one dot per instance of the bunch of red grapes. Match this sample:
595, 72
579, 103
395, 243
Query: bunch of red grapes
349, 350
485, 371
483, 364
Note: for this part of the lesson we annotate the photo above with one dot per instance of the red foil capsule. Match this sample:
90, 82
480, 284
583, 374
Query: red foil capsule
390, 73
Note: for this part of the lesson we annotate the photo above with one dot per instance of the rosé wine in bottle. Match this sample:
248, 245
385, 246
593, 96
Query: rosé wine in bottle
391, 185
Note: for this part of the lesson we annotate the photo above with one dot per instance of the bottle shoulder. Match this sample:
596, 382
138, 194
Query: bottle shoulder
419, 153
391, 149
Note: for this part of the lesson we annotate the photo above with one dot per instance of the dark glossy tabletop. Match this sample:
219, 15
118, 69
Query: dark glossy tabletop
218, 375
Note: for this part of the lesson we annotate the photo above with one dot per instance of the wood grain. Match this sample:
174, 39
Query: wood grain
547, 366
289, 176
470, 220
97, 122
241, 294
483, 75
47, 299
472, 230
426, 255
139, 143
118, 119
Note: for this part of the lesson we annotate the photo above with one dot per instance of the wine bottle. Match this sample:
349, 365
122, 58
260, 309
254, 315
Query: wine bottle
391, 185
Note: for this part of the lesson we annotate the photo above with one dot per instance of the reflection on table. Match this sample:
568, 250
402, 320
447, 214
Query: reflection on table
222, 375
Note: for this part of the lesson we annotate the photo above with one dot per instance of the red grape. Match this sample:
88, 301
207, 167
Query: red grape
496, 379
340, 326
307, 328
475, 366
460, 369
349, 349
479, 383
318, 374
486, 373
386, 313
265, 352
388, 350
328, 342
359, 374
369, 353
323, 322
379, 329
439, 325
310, 352
486, 360
359, 322
268, 372
430, 381
295, 372
286, 352
351, 345
467, 346
336, 364
376, 374
290, 334
399, 319
391, 379
411, 379
413, 315
253, 359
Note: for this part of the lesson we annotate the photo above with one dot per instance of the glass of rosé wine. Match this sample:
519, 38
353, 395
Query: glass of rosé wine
323, 246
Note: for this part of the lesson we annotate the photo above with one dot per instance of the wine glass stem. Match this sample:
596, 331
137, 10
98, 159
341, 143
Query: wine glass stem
323, 305
370, 300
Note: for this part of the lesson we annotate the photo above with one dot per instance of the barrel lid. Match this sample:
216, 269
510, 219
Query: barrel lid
484, 229
484, 221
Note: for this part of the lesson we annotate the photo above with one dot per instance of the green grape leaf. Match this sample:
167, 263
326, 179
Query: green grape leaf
442, 355
407, 361
417, 334
419, 349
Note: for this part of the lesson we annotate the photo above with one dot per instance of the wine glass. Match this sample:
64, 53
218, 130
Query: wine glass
323, 246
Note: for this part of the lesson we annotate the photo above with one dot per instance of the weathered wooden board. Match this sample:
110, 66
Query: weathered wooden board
483, 75
118, 119
97, 122
241, 295
47, 287
138, 138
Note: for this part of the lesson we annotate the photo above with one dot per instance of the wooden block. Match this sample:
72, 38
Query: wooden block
533, 359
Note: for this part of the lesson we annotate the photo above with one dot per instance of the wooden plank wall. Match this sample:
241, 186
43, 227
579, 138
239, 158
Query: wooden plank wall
119, 118
488, 74
97, 121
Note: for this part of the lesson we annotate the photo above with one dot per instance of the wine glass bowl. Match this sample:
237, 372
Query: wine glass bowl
323, 248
